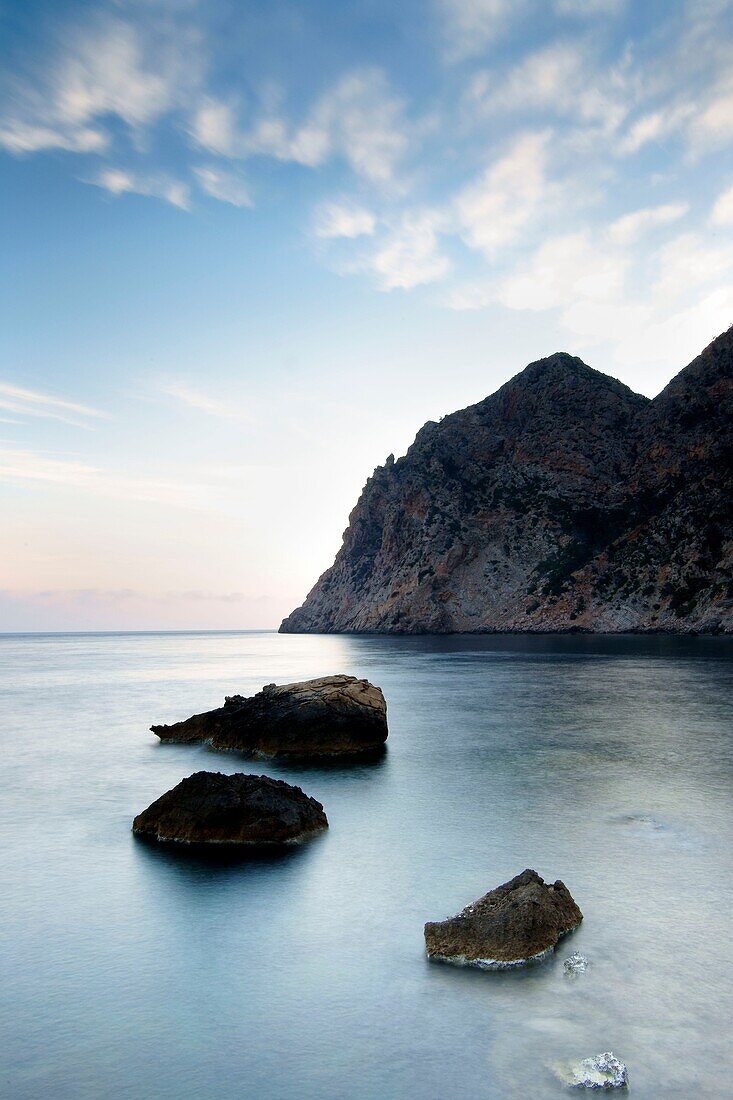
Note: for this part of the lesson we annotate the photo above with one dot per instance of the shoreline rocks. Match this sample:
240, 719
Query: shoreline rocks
245, 810
518, 923
332, 716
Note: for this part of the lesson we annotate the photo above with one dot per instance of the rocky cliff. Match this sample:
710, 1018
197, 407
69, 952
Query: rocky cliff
562, 502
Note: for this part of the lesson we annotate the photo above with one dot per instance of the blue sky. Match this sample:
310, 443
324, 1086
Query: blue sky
248, 249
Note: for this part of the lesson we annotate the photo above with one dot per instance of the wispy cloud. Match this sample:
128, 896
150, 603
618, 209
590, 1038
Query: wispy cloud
564, 79
629, 227
469, 26
223, 185
722, 212
343, 219
588, 9
494, 209
108, 68
118, 181
94, 596
552, 128
359, 119
202, 402
25, 402
410, 254
37, 468
658, 307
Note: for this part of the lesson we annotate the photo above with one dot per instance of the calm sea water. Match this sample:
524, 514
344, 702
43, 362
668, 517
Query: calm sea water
134, 972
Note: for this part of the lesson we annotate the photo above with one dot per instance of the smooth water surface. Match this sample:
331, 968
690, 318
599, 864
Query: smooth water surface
133, 971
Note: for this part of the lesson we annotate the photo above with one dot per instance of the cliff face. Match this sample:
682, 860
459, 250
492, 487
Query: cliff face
563, 501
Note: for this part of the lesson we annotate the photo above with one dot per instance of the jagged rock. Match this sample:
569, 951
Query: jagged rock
337, 716
604, 1071
211, 808
518, 923
575, 964
562, 502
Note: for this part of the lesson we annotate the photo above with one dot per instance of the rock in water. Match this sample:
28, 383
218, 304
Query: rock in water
211, 808
604, 1071
517, 923
331, 716
575, 964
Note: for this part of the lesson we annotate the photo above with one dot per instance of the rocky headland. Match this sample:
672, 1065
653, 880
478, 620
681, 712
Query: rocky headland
251, 810
516, 924
563, 502
333, 716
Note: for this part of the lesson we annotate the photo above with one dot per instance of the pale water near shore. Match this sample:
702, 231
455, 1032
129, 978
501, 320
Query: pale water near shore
131, 972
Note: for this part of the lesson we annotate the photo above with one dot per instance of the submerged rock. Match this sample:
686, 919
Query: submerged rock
518, 923
575, 964
211, 808
604, 1071
329, 716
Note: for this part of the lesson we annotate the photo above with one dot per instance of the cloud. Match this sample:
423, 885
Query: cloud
365, 121
106, 74
494, 210
213, 127
559, 79
20, 137
470, 296
343, 219
722, 213
224, 186
358, 119
656, 126
469, 26
202, 402
25, 402
141, 70
26, 467
652, 308
685, 87
119, 181
410, 256
652, 332
589, 9
562, 270
629, 227
712, 126
110, 68
84, 596
689, 261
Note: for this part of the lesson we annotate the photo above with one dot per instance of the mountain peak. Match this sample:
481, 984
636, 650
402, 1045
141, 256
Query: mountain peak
563, 501
563, 369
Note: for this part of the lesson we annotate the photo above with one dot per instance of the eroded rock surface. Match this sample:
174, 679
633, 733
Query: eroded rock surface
335, 716
517, 923
211, 808
564, 501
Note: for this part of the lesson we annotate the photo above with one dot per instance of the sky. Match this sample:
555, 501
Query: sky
249, 249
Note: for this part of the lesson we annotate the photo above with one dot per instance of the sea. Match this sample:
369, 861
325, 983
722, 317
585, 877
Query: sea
151, 973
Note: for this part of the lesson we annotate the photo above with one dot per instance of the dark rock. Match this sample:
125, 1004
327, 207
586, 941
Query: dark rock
211, 808
517, 923
564, 501
332, 716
